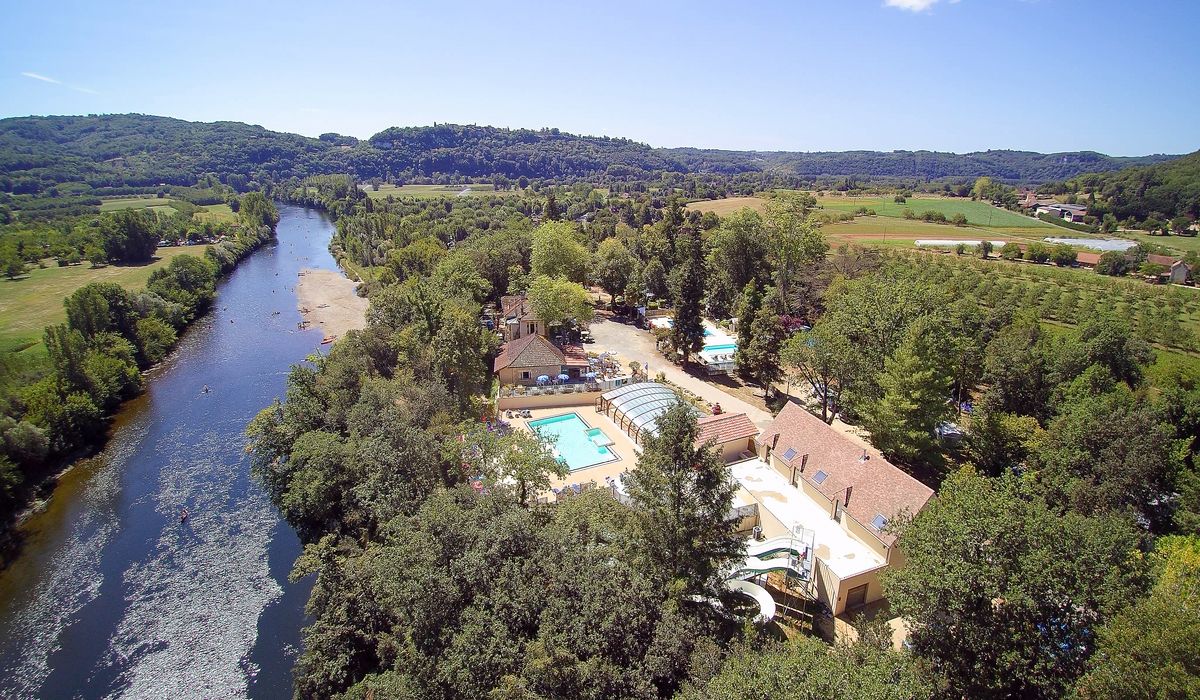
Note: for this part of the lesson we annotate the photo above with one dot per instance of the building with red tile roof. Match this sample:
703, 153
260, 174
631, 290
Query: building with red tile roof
829, 466
731, 433
522, 361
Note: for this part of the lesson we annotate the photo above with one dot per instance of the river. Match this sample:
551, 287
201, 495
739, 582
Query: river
111, 595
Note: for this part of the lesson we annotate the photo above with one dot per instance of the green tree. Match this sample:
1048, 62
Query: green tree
683, 493
613, 266
758, 352
1011, 251
1003, 596
1149, 650
915, 391
984, 248
794, 242
654, 278
1063, 255
808, 669
687, 332
819, 356
556, 300
557, 252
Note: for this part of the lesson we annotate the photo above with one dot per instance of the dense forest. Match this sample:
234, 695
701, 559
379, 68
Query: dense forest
1162, 193
1063, 537
80, 158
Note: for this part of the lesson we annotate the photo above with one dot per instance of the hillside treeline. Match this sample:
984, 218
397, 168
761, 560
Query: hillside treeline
38, 154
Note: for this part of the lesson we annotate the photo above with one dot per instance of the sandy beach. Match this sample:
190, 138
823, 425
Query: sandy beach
327, 301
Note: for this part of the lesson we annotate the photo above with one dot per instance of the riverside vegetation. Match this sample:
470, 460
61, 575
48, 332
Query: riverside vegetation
55, 406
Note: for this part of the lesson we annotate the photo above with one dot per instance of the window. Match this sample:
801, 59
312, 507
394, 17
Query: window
879, 522
789, 455
524, 375
532, 328
820, 477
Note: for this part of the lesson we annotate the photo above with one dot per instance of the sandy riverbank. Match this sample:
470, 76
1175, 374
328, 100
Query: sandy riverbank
327, 301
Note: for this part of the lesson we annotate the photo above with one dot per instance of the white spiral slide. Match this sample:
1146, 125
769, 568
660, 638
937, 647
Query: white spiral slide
755, 565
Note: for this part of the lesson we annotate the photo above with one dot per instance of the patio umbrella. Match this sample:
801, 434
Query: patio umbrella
590, 375
564, 377
542, 379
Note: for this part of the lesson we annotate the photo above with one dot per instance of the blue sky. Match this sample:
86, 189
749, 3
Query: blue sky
1118, 77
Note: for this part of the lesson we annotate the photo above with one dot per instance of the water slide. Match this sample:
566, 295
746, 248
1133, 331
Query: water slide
755, 565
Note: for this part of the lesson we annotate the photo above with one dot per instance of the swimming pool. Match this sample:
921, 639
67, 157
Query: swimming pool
730, 347
576, 444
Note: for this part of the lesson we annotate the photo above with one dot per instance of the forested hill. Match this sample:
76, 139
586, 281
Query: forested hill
1163, 191
132, 150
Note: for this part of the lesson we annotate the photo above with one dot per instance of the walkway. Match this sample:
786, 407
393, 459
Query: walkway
632, 343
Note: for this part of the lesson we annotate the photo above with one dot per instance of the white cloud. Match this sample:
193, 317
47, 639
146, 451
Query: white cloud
38, 76
914, 5
47, 79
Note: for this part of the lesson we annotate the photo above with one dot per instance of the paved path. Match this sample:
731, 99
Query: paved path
631, 343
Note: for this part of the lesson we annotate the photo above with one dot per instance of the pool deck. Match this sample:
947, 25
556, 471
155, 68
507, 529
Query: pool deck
627, 452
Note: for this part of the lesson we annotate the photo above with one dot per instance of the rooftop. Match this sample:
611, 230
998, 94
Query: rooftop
843, 554
724, 428
864, 481
530, 351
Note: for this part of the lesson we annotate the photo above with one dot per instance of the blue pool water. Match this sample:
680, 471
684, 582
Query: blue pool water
721, 348
579, 446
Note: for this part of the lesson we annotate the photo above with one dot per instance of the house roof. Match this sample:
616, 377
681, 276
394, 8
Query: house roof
528, 352
1087, 258
835, 465
517, 308
724, 428
574, 356
1162, 259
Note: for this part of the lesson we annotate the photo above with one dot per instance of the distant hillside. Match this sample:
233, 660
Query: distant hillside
132, 150
1162, 191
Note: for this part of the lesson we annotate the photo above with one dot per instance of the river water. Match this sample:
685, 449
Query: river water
112, 596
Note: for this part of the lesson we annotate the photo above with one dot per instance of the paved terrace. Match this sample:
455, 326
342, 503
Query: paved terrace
782, 505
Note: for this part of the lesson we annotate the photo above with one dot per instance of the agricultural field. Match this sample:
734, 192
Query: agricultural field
885, 231
1180, 244
30, 303
146, 202
216, 213
725, 207
977, 213
1168, 317
430, 190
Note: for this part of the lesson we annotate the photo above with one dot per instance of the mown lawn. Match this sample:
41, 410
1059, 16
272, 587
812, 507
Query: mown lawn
977, 213
32, 302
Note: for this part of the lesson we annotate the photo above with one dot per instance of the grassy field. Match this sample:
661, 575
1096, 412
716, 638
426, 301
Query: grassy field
977, 213
147, 202
886, 231
429, 190
725, 207
29, 304
216, 213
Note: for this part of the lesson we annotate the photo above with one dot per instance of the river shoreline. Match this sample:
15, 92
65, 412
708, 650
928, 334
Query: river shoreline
113, 594
38, 496
328, 301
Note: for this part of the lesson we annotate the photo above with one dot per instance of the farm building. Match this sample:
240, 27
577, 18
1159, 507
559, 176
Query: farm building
1179, 272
